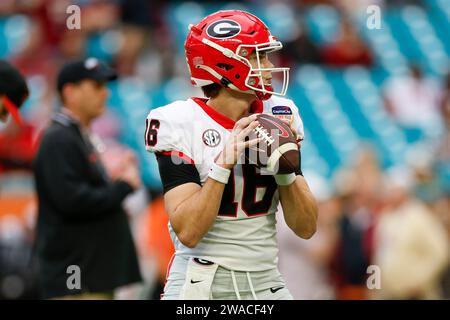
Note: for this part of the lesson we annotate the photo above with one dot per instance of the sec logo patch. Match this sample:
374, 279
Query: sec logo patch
211, 138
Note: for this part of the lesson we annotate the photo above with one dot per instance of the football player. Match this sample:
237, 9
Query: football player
13, 92
222, 211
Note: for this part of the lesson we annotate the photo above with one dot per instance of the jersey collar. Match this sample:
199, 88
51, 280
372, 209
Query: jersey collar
224, 121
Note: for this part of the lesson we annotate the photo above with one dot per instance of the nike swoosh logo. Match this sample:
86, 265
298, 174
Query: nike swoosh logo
284, 133
273, 290
192, 281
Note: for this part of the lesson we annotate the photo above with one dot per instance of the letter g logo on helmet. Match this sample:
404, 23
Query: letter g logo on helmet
223, 29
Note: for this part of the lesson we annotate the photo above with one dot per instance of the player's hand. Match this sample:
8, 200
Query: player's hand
290, 123
236, 143
297, 139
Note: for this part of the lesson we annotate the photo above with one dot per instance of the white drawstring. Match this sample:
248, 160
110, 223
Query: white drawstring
236, 289
251, 285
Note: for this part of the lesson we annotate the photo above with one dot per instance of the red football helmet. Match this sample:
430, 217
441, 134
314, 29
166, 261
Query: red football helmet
218, 48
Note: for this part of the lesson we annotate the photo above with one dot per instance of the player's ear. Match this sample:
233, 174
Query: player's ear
67, 92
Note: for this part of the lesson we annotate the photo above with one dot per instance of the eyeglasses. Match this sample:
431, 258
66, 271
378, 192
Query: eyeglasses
13, 110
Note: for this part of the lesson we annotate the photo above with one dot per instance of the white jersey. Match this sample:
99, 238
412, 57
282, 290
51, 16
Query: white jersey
243, 237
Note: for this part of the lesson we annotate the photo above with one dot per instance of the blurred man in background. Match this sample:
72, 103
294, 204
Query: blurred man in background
13, 91
81, 221
411, 245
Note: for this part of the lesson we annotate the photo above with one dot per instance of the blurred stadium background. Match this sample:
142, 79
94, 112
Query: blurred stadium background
376, 109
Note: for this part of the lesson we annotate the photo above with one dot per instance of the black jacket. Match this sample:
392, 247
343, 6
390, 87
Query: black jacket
81, 221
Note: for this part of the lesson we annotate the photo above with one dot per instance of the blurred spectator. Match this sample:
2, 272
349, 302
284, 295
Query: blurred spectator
302, 3
156, 248
16, 144
18, 265
72, 44
399, 3
348, 49
18, 274
17, 270
412, 100
411, 246
352, 256
49, 14
99, 15
358, 6
445, 103
358, 187
442, 153
17, 147
304, 264
136, 22
13, 92
301, 49
81, 221
133, 39
36, 49
444, 215
152, 49
441, 171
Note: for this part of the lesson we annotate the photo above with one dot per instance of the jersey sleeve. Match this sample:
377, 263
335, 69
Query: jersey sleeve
297, 123
163, 135
166, 136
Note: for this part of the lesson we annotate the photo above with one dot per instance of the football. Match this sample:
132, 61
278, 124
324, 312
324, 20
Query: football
277, 152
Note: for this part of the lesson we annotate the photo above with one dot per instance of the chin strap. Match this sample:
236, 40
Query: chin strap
224, 80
